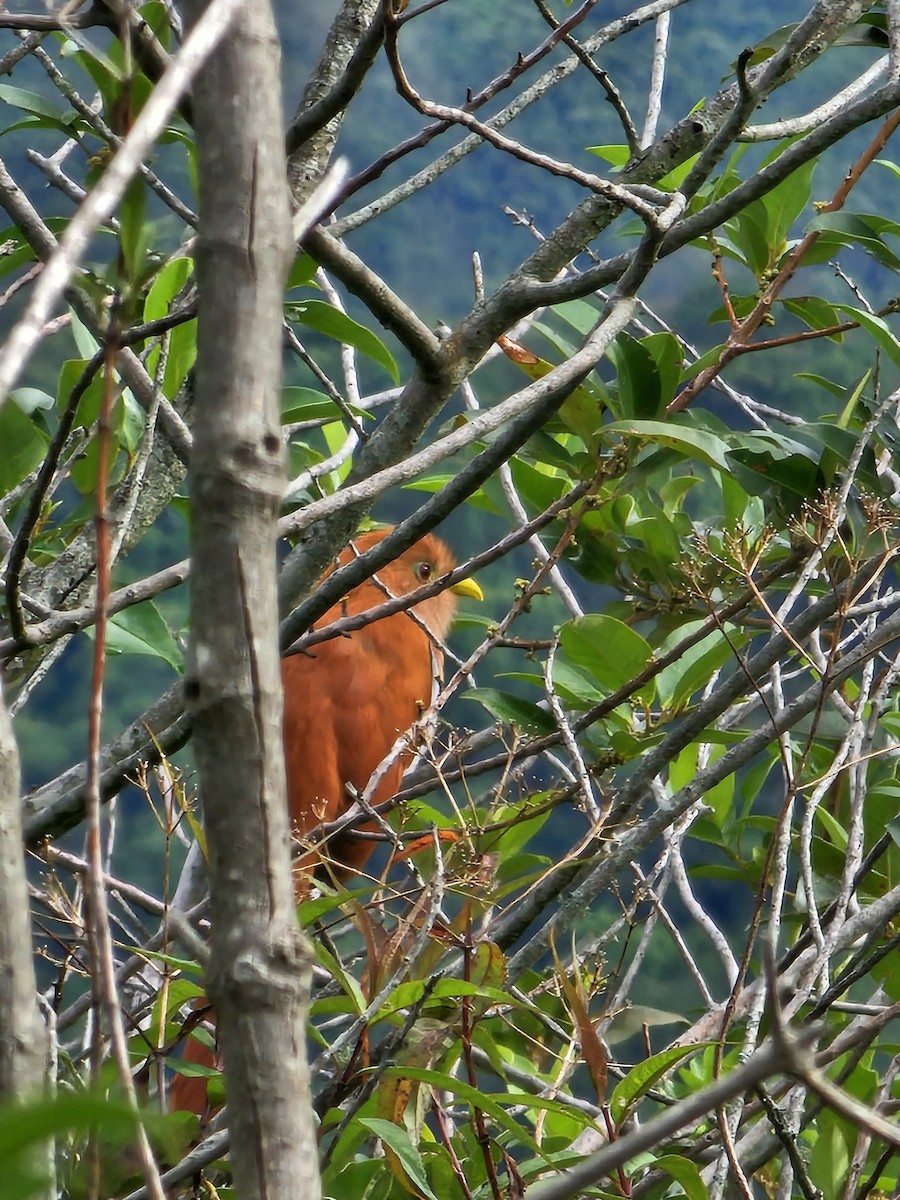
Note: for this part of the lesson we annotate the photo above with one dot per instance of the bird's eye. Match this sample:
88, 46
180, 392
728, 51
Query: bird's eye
423, 571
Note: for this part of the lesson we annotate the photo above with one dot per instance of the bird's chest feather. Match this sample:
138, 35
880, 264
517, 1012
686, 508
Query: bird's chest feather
392, 672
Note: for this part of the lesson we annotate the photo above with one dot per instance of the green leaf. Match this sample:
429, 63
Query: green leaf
102, 71
165, 287
182, 356
306, 404
23, 445
852, 406
128, 422
134, 230
675, 178
538, 489
398, 1140
749, 237
784, 204
576, 687
365, 1178
407, 994
182, 352
88, 408
31, 399
674, 492
742, 512
648, 372
610, 651
192, 1070
684, 1172
762, 462
814, 312
302, 270
720, 797
580, 314
141, 629
579, 412
692, 443
765, 47
836, 830
310, 911
740, 307
829, 1162
822, 437
678, 682
39, 106
616, 156
335, 968
494, 1105
877, 327
854, 229
643, 1077
708, 359
158, 16
869, 30
478, 499
512, 710
178, 964
25, 1126
836, 389
518, 835
16, 251
327, 319
85, 342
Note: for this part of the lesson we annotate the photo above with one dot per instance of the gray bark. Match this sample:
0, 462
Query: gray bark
258, 976
308, 162
23, 1036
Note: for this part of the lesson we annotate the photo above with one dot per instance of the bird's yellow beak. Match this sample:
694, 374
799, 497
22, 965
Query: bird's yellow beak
468, 587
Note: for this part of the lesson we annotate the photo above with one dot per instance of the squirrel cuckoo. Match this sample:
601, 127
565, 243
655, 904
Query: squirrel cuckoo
346, 701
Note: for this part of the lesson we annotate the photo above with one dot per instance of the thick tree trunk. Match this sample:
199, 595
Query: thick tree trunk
23, 1037
258, 975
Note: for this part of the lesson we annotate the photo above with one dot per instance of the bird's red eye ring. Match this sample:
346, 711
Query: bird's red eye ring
423, 571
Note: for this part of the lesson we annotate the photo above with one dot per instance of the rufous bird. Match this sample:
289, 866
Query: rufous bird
346, 702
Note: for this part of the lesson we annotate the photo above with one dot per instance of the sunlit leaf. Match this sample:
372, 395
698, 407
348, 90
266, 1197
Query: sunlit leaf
580, 410
306, 404
142, 629
610, 651
327, 319
678, 682
685, 1173
814, 312
616, 156
879, 329
688, 441
646, 1075
397, 1140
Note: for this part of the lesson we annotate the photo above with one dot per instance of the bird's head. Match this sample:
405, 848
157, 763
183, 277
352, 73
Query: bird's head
427, 560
